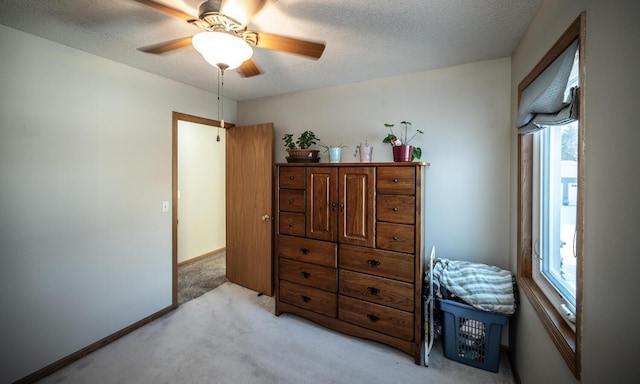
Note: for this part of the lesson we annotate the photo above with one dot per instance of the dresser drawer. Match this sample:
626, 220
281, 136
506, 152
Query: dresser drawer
379, 290
394, 265
396, 181
313, 275
309, 298
308, 250
291, 223
376, 317
396, 209
395, 237
291, 200
291, 178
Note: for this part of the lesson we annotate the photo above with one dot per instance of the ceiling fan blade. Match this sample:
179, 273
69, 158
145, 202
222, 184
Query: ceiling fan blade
168, 10
288, 44
167, 45
243, 10
249, 68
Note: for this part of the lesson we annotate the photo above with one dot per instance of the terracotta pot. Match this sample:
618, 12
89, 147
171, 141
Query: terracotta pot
402, 153
303, 152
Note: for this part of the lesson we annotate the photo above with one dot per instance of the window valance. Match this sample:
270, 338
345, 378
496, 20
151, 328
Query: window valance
548, 100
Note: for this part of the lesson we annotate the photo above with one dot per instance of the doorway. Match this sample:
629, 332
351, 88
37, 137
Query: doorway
248, 203
199, 206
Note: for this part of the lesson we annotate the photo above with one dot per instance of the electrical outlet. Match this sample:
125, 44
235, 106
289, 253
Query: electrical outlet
165, 206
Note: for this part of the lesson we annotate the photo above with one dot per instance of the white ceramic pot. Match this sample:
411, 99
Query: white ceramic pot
365, 154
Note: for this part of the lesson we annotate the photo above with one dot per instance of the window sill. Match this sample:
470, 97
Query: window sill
562, 335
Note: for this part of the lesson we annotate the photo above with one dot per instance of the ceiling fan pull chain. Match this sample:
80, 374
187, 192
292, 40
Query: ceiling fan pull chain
221, 67
218, 84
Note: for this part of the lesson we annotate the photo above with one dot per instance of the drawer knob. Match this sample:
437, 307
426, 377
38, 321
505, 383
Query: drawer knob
373, 263
395, 180
373, 318
395, 237
291, 224
306, 275
306, 299
304, 251
290, 201
291, 177
373, 290
395, 209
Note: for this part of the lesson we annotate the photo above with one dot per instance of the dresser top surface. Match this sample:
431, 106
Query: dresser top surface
356, 164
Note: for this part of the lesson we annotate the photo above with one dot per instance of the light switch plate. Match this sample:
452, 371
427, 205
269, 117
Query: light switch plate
165, 206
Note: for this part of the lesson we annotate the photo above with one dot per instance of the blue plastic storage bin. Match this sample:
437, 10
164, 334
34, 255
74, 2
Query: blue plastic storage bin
472, 336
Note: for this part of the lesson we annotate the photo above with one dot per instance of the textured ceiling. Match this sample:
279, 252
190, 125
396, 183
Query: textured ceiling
364, 39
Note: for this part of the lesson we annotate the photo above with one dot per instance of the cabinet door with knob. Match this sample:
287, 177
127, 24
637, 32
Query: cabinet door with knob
356, 206
322, 203
340, 204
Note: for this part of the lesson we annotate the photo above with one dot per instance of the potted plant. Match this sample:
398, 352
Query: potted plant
335, 152
300, 148
365, 152
402, 151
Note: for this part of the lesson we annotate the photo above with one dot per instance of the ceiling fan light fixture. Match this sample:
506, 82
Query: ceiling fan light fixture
222, 48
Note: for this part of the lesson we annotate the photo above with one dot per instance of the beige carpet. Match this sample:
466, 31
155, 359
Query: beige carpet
230, 335
201, 276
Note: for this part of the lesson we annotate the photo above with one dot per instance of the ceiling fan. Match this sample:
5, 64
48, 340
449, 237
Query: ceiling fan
225, 22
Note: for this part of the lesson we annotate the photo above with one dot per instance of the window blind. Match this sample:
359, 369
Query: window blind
548, 100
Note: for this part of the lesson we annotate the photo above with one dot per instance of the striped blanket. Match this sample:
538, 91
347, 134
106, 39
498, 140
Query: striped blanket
482, 286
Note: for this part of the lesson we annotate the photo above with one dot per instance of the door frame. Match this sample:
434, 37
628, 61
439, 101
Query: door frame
176, 117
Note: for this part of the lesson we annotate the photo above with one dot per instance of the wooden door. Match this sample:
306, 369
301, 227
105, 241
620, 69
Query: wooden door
249, 206
322, 203
356, 214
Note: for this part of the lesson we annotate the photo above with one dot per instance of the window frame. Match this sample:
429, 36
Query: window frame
567, 341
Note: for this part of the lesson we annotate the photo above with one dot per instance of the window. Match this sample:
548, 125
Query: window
550, 191
554, 215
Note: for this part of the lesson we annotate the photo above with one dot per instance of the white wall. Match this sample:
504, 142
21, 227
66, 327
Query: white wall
611, 263
201, 186
85, 162
464, 112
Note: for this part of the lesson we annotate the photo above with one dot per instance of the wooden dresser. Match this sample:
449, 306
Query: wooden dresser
349, 249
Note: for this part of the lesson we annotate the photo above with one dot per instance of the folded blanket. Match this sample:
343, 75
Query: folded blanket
482, 286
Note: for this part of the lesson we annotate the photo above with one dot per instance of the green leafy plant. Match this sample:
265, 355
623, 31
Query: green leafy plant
326, 147
288, 141
304, 141
403, 138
